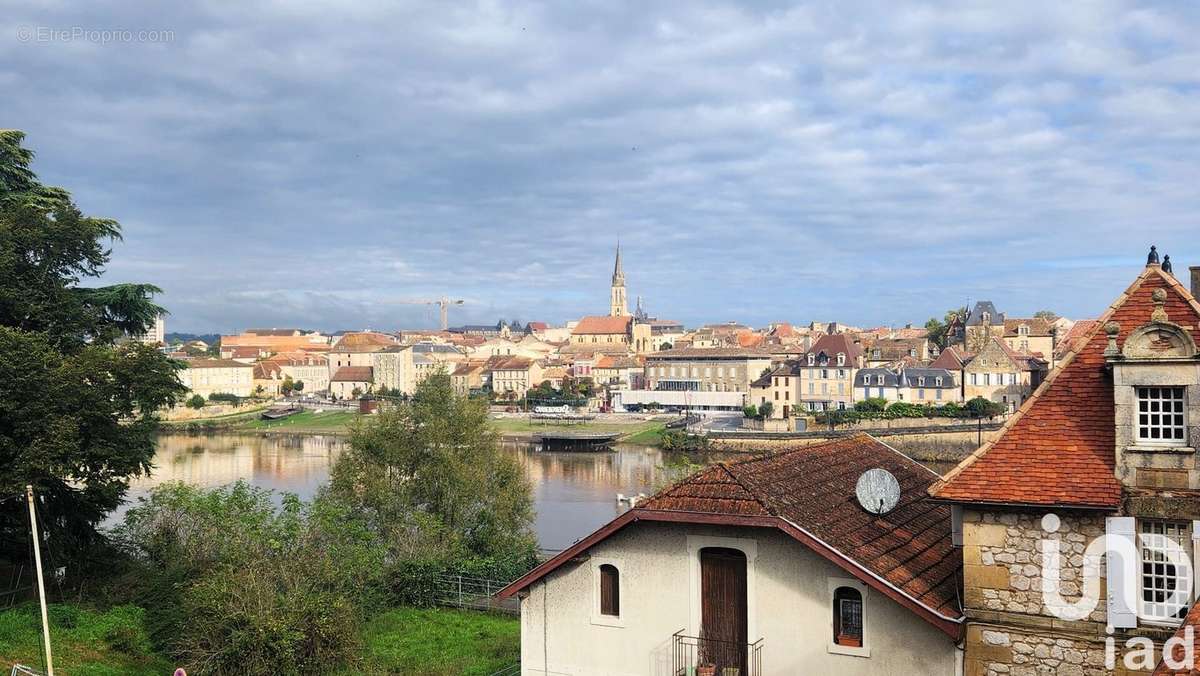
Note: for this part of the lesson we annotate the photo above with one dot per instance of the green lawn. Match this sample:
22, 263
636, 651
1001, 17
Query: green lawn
524, 424
648, 436
440, 642
84, 642
307, 421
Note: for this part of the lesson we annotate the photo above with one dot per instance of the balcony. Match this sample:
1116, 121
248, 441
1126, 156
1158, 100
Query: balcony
691, 654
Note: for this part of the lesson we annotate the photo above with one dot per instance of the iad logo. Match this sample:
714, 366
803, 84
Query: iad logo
1150, 579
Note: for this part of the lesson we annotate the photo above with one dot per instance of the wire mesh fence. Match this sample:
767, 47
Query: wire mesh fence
464, 591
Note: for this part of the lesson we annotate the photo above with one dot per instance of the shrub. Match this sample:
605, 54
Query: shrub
234, 584
196, 401
871, 405
225, 397
750, 411
680, 440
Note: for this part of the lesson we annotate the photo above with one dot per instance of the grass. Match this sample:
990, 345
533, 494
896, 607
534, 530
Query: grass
649, 436
306, 421
414, 641
84, 642
524, 424
440, 642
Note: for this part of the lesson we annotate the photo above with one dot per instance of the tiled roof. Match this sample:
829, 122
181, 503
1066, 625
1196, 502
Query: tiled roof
834, 343
813, 487
267, 370
366, 340
1037, 326
952, 359
602, 325
217, 364
1059, 448
273, 332
354, 374
711, 353
1078, 330
1180, 647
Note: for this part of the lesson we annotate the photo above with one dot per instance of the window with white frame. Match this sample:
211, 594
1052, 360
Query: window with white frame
1161, 415
841, 359
1166, 571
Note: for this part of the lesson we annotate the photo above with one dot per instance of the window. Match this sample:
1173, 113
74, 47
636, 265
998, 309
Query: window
1161, 415
776, 395
610, 590
811, 359
921, 382
1023, 331
824, 374
937, 381
841, 373
841, 358
938, 395
921, 394
1166, 573
841, 388
811, 387
878, 380
787, 396
847, 617
973, 379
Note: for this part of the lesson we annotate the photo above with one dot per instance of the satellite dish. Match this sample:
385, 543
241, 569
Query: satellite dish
877, 491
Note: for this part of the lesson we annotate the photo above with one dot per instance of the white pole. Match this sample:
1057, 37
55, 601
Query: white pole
37, 559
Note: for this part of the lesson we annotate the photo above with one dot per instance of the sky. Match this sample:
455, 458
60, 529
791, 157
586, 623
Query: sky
305, 164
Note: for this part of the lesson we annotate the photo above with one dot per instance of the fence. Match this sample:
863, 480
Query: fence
477, 593
22, 670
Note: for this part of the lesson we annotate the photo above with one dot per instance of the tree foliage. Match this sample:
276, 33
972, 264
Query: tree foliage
939, 328
429, 476
234, 584
77, 409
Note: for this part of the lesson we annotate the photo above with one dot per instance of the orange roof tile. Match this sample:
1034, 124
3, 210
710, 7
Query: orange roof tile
1059, 449
602, 325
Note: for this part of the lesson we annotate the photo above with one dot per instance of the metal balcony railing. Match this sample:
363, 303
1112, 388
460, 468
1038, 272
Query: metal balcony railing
690, 655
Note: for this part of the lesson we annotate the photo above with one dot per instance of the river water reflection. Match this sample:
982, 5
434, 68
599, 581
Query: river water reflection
574, 493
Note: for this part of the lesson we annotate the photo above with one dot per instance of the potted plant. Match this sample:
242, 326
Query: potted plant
706, 670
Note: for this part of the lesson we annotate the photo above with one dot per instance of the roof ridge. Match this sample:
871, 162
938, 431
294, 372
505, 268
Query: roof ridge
770, 510
1064, 363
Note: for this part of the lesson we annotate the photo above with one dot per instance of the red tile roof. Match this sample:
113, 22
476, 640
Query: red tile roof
809, 494
952, 359
354, 374
832, 344
1059, 448
1179, 653
602, 325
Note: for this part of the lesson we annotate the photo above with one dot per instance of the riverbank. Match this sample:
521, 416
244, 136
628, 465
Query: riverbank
340, 422
114, 642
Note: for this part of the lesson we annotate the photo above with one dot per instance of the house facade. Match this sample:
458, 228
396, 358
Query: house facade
727, 369
999, 374
218, 376
932, 386
759, 567
826, 373
1078, 524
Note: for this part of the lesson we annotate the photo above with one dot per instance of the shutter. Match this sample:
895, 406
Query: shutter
1121, 574
956, 525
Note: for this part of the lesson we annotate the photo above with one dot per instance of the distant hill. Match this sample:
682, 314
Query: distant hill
175, 337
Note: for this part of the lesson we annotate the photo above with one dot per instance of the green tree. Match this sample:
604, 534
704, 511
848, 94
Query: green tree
234, 584
287, 386
196, 401
429, 476
78, 412
939, 328
766, 410
298, 386
750, 411
980, 407
1048, 315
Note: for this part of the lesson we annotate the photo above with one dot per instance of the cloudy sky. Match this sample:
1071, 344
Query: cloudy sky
293, 163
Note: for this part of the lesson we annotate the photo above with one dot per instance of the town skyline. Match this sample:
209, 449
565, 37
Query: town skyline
758, 163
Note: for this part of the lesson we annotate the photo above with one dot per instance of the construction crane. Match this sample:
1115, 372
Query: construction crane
443, 304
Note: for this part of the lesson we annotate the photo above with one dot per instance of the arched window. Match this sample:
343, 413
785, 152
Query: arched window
610, 590
848, 617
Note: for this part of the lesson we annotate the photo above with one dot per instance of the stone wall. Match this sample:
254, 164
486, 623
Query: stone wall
1001, 651
1003, 557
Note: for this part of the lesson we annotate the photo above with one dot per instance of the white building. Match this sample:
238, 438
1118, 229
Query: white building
764, 566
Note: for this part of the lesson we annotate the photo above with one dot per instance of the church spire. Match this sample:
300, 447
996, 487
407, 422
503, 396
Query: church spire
618, 307
618, 278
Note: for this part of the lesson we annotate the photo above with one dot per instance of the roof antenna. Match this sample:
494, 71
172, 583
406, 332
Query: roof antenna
1152, 257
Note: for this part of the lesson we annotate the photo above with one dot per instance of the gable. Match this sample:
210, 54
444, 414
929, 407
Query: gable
1060, 447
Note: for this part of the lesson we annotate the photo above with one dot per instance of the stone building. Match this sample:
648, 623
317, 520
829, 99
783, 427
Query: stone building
1105, 447
218, 376
728, 369
999, 374
618, 303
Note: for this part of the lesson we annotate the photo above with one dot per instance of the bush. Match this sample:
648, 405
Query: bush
233, 584
196, 401
225, 397
871, 405
750, 411
984, 408
680, 440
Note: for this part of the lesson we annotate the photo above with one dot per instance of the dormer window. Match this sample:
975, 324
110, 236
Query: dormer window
1023, 330
812, 359
986, 317
878, 380
937, 381
1162, 417
912, 351
841, 359
921, 381
877, 352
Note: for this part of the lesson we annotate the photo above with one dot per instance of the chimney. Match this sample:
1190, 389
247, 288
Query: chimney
1195, 280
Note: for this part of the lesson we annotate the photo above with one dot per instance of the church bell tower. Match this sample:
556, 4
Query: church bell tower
619, 307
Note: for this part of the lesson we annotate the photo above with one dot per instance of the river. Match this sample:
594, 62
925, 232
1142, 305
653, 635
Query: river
574, 493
